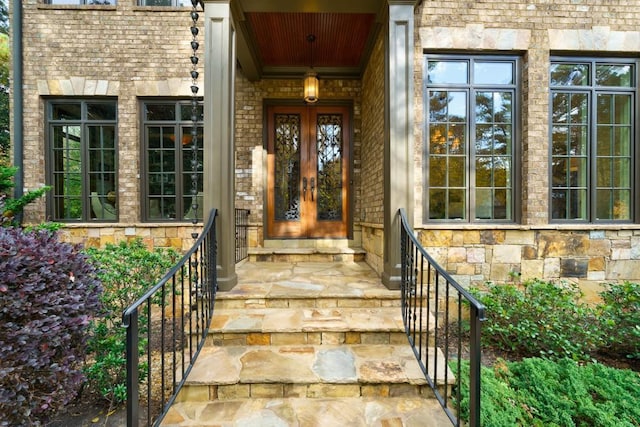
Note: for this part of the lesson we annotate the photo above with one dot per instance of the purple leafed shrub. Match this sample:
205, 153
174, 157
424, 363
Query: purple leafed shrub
48, 295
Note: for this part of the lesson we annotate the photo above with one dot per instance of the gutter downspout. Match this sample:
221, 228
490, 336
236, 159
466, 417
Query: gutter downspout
18, 104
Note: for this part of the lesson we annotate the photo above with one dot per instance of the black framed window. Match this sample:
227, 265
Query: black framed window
82, 160
168, 159
470, 137
593, 139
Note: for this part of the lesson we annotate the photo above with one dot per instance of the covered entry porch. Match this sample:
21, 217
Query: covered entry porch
256, 55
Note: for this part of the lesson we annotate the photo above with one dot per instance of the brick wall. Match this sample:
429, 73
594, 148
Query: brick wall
372, 161
126, 53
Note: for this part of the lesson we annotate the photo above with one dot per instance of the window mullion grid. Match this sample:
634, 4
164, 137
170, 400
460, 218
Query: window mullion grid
468, 186
592, 151
85, 166
179, 186
471, 153
572, 190
68, 167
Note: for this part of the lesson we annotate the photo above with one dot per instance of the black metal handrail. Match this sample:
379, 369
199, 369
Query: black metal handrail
242, 227
435, 310
167, 327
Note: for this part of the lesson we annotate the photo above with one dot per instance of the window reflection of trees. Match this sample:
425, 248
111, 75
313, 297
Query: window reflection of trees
581, 159
451, 158
447, 154
83, 157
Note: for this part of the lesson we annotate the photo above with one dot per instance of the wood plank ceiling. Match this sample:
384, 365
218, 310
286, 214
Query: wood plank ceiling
274, 43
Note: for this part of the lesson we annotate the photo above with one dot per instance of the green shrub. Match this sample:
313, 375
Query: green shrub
127, 271
539, 318
499, 406
10, 208
561, 393
619, 316
48, 295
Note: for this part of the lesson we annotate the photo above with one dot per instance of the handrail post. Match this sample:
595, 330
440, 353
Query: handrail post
133, 404
474, 368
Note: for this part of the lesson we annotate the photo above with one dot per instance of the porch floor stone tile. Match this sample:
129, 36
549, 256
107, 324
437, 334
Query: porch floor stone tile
305, 364
308, 280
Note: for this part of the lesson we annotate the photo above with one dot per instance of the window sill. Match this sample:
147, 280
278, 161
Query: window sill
128, 224
77, 7
160, 8
112, 7
522, 227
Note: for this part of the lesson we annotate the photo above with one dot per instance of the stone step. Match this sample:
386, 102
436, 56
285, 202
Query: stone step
315, 326
307, 250
321, 412
229, 300
311, 285
307, 371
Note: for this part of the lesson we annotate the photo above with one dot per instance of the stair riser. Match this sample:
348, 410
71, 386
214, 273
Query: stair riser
312, 338
313, 257
246, 304
205, 393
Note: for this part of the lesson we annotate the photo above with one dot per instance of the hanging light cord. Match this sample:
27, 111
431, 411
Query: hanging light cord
311, 38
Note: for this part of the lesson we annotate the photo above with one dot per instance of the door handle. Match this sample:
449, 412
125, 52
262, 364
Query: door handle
304, 189
313, 186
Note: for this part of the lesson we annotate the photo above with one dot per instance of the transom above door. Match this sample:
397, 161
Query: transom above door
308, 171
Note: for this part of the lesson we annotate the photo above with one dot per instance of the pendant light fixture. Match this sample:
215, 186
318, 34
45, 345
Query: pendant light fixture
311, 85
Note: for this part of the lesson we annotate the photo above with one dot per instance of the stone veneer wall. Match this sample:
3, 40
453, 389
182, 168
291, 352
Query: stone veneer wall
123, 52
373, 89
177, 236
251, 167
588, 254
588, 257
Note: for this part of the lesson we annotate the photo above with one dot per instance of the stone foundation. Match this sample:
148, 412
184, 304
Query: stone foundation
373, 244
587, 257
154, 236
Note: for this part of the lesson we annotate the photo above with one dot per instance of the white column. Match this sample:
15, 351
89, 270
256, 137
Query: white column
219, 165
398, 143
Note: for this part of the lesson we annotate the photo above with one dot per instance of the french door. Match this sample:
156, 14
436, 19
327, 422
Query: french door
308, 171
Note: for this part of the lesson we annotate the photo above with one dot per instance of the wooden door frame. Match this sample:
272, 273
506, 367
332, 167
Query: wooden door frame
321, 107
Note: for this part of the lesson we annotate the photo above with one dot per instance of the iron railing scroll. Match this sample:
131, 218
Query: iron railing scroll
242, 228
443, 323
166, 329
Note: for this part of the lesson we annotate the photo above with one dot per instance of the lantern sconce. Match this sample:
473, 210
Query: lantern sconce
311, 85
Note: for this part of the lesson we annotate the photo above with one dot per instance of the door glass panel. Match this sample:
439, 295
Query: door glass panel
287, 167
329, 167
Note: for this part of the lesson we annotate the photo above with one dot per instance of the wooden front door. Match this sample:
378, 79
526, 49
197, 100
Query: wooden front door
308, 171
